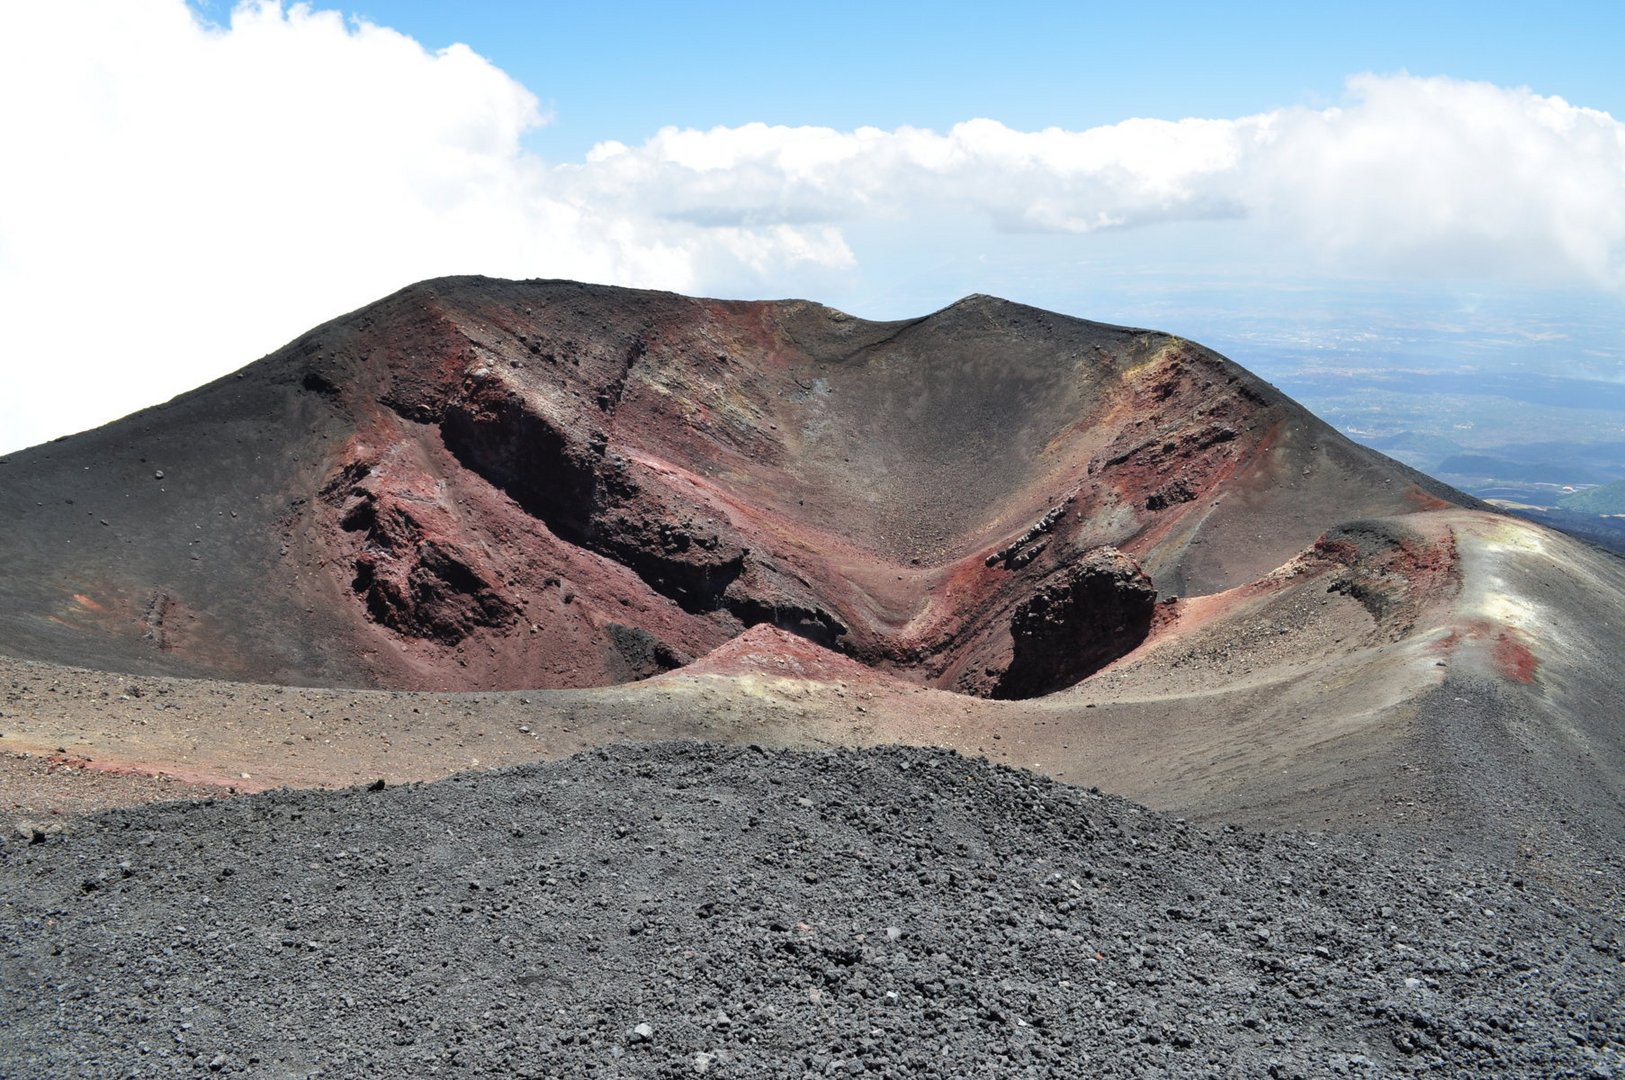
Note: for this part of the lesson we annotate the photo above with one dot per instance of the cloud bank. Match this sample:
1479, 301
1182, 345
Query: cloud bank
1418, 176
182, 197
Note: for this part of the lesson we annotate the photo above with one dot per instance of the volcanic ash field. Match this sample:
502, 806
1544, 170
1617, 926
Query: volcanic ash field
679, 909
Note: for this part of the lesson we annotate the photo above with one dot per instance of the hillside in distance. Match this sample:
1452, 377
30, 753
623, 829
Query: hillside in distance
484, 521
477, 484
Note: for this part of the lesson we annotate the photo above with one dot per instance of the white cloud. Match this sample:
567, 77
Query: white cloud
180, 198
1130, 173
1416, 175
1436, 175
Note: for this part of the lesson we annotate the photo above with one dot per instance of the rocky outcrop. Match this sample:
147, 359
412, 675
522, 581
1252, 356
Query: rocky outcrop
1074, 622
1392, 571
408, 572
1092, 613
1024, 548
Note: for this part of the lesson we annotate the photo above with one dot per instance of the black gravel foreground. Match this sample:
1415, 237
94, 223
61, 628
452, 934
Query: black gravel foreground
682, 909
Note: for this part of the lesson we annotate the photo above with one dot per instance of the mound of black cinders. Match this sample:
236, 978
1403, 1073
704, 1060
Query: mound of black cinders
678, 909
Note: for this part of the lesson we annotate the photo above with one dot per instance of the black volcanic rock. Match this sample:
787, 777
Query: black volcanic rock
679, 909
1089, 614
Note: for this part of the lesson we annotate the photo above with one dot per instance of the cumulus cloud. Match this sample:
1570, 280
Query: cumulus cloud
181, 197
1131, 173
1420, 175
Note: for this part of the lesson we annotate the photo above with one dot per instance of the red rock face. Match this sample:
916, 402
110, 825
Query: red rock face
482, 485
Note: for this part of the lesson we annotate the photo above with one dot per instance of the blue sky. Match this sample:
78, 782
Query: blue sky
1270, 179
622, 71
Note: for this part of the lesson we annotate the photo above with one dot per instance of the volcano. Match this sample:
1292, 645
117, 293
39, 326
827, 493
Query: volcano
479, 485
804, 565
573, 514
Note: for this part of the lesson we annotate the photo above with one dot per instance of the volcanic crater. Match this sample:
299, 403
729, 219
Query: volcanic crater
488, 523
480, 484
484, 521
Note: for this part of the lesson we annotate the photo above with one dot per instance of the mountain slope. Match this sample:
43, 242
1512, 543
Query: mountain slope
478, 484
570, 515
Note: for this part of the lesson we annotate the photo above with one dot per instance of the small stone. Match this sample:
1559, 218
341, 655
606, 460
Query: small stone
643, 1032
158, 474
36, 833
217, 1063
